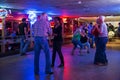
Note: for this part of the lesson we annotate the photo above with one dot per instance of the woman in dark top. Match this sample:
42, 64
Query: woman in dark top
57, 41
84, 40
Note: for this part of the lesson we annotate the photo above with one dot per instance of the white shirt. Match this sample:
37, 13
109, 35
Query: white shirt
104, 31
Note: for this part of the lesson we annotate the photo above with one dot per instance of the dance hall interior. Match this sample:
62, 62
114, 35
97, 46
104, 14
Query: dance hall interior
95, 58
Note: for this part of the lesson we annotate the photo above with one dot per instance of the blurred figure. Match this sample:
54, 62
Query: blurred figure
41, 29
13, 35
90, 35
101, 41
76, 39
118, 30
57, 42
85, 28
75, 27
107, 26
110, 27
85, 40
23, 33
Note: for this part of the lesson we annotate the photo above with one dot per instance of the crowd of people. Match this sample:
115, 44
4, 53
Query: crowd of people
42, 30
113, 31
80, 38
88, 35
84, 36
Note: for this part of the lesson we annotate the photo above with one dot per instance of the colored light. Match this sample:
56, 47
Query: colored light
49, 18
52, 24
0, 26
3, 13
65, 20
79, 2
32, 16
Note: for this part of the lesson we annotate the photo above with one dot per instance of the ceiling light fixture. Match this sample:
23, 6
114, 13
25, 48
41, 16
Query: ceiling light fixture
79, 2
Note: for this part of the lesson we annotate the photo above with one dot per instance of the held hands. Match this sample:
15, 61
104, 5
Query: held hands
96, 26
26, 37
54, 34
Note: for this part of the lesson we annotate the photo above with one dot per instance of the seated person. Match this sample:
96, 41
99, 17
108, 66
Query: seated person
84, 40
13, 35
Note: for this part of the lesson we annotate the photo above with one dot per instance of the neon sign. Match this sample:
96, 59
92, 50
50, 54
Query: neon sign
49, 18
32, 16
3, 12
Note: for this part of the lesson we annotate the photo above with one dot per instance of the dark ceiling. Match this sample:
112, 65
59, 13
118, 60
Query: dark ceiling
65, 7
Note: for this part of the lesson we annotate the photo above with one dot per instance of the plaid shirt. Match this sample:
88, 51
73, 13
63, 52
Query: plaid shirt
41, 28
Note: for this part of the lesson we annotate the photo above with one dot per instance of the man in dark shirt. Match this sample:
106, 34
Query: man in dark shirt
24, 43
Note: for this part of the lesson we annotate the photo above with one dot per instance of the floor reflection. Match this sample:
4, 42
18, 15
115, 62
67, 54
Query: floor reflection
37, 77
76, 67
58, 73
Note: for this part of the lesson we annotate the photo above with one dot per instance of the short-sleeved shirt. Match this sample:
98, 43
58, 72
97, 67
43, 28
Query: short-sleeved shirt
21, 28
41, 28
104, 31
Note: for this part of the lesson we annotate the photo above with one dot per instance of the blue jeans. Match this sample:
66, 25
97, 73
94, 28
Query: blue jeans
100, 54
86, 44
75, 43
41, 43
23, 44
91, 37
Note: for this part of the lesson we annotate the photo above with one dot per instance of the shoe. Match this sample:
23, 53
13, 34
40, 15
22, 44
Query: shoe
80, 51
72, 54
22, 54
50, 73
36, 73
101, 64
61, 65
88, 52
52, 65
80, 54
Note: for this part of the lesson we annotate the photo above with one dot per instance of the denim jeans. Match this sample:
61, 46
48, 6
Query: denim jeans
41, 43
76, 42
86, 44
23, 44
100, 54
91, 39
